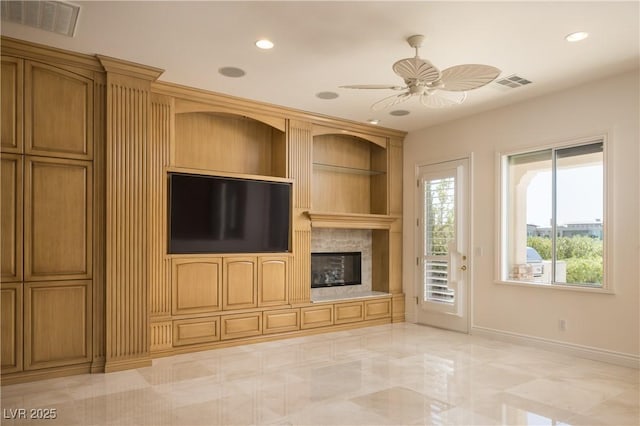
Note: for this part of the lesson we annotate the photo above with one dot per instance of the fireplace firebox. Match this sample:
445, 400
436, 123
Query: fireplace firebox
336, 269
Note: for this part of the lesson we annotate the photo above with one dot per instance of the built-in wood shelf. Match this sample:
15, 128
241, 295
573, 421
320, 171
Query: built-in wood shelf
350, 220
343, 169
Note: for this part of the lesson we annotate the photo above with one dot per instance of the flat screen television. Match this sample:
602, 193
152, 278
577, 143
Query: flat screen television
214, 214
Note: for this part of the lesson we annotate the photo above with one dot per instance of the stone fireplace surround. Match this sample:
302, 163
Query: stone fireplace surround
327, 240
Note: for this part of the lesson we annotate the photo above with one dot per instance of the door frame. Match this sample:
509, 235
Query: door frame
416, 244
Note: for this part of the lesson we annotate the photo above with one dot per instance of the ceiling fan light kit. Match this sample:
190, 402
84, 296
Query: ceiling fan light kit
436, 89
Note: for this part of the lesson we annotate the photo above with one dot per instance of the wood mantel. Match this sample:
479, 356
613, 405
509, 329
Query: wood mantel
350, 220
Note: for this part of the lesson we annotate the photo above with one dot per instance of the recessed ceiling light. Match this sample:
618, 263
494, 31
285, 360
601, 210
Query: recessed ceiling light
264, 44
327, 95
231, 72
577, 36
373, 121
399, 112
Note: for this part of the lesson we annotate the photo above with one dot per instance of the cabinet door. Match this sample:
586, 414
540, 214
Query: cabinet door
281, 321
272, 280
349, 312
316, 316
58, 219
239, 278
11, 325
198, 330
11, 127
241, 325
196, 285
376, 309
11, 217
57, 325
58, 112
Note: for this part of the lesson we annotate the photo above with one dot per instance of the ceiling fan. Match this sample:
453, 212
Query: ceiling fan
436, 88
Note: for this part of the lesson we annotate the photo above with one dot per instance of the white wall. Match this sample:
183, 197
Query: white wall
603, 323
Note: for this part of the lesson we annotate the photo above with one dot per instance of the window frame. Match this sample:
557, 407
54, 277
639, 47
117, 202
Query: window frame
501, 261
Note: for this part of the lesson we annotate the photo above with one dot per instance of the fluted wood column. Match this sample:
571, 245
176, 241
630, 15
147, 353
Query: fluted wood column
127, 285
161, 134
395, 234
300, 169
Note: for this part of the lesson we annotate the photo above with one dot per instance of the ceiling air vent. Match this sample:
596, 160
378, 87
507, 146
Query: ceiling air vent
512, 81
55, 16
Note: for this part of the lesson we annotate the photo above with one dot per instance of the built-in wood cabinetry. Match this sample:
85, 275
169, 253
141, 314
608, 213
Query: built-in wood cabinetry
47, 236
88, 284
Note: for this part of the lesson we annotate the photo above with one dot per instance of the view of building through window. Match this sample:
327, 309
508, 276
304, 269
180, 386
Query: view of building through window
554, 216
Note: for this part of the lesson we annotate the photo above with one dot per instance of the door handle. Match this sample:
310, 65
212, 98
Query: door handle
463, 268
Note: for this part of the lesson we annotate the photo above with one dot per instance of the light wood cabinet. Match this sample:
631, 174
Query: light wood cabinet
11, 221
273, 288
239, 289
11, 327
197, 330
281, 321
47, 134
11, 129
56, 323
58, 219
241, 325
58, 112
349, 312
316, 316
196, 285
376, 309
80, 203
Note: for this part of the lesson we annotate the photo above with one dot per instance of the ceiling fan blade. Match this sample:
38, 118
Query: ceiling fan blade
467, 77
416, 69
390, 101
439, 99
372, 86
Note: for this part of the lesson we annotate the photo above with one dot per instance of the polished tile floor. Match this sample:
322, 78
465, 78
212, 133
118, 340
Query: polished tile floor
396, 374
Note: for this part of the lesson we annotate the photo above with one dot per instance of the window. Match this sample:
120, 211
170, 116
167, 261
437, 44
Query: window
439, 232
552, 216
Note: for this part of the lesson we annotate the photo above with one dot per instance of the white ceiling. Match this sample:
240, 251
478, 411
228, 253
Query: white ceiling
322, 45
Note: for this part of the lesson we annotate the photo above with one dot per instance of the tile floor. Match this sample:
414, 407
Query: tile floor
396, 374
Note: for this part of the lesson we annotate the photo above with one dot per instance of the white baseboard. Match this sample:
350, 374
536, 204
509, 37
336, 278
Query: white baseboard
589, 352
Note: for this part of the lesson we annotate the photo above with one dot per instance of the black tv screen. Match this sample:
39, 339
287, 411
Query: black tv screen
213, 214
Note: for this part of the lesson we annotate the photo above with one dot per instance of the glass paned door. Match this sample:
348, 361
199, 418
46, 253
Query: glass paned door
442, 244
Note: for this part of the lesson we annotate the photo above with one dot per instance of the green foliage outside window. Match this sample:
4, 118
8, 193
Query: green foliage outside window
582, 254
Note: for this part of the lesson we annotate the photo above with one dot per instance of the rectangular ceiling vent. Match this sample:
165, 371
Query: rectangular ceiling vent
55, 16
513, 81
